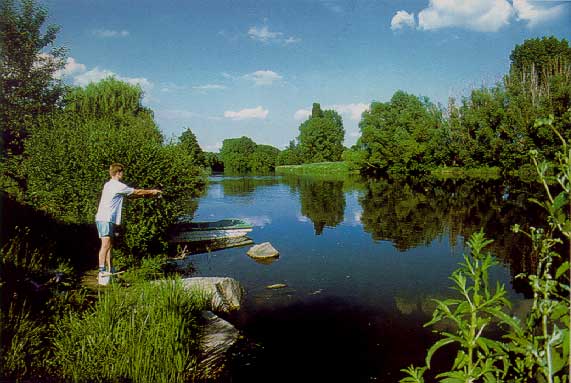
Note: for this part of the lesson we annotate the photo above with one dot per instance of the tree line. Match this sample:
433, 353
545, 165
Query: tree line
492, 127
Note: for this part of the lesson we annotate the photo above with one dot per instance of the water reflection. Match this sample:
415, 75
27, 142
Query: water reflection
323, 202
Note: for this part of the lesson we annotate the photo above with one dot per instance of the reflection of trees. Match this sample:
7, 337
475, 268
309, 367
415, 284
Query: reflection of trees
240, 186
410, 213
322, 201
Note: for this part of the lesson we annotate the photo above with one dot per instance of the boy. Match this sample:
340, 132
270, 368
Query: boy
109, 212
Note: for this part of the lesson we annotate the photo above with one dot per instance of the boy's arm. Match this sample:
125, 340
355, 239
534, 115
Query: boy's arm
146, 193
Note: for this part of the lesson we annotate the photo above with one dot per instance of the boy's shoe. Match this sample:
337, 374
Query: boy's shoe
103, 278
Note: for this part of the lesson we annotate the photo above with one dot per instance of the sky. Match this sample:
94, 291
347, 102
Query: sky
232, 68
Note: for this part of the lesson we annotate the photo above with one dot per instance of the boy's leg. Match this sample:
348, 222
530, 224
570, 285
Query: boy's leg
105, 252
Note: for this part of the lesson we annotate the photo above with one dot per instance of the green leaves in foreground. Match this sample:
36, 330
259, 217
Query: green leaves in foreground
471, 315
536, 350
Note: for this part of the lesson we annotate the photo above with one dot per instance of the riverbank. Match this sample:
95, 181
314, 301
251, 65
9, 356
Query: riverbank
316, 169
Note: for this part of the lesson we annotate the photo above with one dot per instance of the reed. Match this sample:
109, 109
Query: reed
145, 333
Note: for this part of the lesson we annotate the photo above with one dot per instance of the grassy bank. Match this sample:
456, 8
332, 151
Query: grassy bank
458, 172
319, 168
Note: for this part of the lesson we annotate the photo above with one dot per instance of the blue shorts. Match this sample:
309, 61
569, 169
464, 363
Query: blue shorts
105, 229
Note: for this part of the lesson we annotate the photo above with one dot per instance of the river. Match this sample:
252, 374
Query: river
362, 260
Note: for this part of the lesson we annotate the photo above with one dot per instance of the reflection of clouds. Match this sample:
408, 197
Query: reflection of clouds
302, 218
259, 221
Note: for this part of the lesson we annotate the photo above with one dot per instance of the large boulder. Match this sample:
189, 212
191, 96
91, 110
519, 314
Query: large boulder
225, 294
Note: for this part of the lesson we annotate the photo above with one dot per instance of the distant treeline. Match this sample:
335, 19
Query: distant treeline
492, 127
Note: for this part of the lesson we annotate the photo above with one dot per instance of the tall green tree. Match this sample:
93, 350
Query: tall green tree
189, 143
236, 154
29, 86
398, 136
321, 136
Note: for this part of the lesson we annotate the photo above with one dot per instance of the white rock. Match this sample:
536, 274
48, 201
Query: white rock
263, 251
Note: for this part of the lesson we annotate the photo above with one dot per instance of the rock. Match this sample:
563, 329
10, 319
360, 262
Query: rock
225, 294
217, 337
276, 286
263, 251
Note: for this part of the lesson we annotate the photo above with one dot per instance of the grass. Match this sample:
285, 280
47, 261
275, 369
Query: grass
319, 168
145, 333
461, 172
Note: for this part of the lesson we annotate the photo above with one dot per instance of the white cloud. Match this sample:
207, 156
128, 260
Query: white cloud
96, 75
353, 111
478, 15
263, 34
71, 68
402, 19
209, 87
247, 114
106, 33
302, 114
263, 77
536, 14
172, 87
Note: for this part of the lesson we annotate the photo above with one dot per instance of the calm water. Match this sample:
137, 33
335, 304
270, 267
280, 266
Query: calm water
361, 259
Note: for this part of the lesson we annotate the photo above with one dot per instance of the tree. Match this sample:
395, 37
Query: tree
399, 136
68, 153
290, 155
189, 144
264, 158
236, 154
29, 85
321, 136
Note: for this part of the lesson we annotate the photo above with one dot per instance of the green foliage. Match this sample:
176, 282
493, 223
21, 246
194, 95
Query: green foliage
321, 136
29, 88
398, 136
213, 161
290, 155
242, 155
146, 333
68, 155
534, 351
189, 144
23, 342
264, 158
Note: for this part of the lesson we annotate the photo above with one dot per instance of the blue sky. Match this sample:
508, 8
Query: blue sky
229, 68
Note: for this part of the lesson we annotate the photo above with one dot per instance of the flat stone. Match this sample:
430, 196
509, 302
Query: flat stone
263, 251
276, 286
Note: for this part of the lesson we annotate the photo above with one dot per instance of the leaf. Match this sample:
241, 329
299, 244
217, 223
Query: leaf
560, 201
435, 347
562, 269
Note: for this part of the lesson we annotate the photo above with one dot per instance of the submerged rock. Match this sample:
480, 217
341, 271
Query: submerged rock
217, 338
263, 251
225, 294
276, 286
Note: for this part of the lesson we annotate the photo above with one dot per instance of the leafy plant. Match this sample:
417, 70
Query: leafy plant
536, 350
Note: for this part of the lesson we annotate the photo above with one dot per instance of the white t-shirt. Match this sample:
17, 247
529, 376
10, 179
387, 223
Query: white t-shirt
111, 202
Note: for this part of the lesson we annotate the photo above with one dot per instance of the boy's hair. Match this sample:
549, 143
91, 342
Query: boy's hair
115, 168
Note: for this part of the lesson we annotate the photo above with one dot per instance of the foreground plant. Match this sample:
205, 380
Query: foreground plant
537, 349
146, 333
